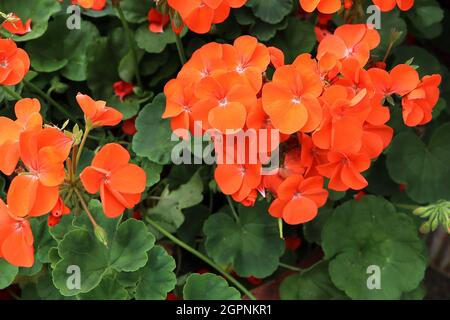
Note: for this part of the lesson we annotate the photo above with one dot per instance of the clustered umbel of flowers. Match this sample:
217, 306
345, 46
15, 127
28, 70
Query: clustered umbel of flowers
43, 161
329, 111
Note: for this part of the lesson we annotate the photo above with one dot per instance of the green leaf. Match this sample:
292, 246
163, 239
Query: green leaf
127, 251
424, 168
63, 49
157, 278
192, 226
38, 11
297, 38
416, 294
108, 289
208, 286
312, 284
270, 11
46, 289
369, 233
153, 137
428, 63
43, 241
153, 171
103, 62
265, 31
425, 13
127, 70
136, 11
155, 42
312, 230
252, 246
168, 210
7, 273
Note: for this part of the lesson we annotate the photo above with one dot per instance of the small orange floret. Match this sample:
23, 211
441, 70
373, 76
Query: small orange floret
120, 183
14, 63
16, 239
388, 5
299, 199
323, 6
97, 112
17, 27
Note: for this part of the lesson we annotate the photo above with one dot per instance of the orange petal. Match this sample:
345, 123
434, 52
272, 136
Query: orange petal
87, 104
112, 208
404, 79
91, 179
22, 195
46, 199
276, 208
352, 178
385, 5
329, 6
230, 117
110, 157
128, 179
17, 248
299, 210
229, 177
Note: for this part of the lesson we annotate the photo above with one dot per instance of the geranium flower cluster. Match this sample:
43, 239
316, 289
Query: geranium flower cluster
332, 6
45, 160
328, 112
200, 15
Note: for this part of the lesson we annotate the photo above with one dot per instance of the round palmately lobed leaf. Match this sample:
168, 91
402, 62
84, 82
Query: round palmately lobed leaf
253, 246
367, 236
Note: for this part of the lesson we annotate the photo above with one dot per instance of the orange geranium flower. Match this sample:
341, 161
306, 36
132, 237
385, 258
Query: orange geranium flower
341, 129
199, 15
419, 103
323, 6
180, 99
350, 41
206, 61
16, 239
43, 152
344, 170
239, 179
14, 63
291, 99
388, 5
157, 21
224, 101
375, 139
28, 118
401, 80
311, 155
248, 58
17, 27
120, 183
96, 113
299, 199
91, 4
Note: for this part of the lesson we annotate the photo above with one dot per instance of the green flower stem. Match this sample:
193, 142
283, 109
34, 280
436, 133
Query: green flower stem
131, 42
289, 267
83, 142
85, 207
180, 48
49, 99
233, 210
12, 93
201, 256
